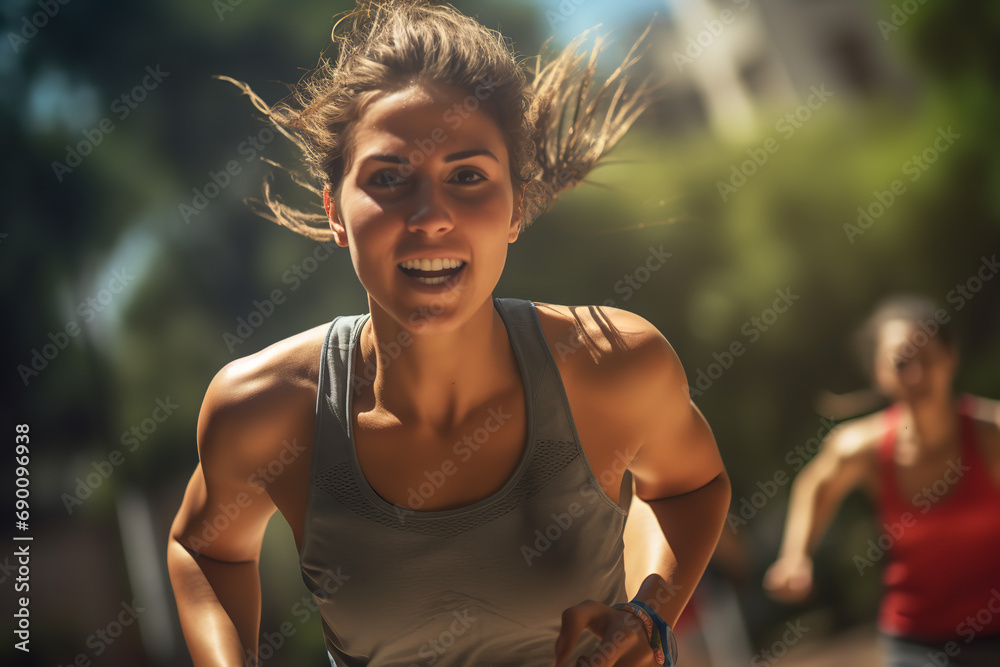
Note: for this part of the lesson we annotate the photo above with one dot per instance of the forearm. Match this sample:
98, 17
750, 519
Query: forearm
811, 506
218, 604
691, 523
645, 549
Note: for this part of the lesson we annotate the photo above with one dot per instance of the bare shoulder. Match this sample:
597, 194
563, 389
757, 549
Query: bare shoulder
850, 452
612, 348
607, 336
985, 411
257, 401
858, 437
985, 414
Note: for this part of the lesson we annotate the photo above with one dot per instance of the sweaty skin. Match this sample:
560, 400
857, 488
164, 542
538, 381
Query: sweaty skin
626, 388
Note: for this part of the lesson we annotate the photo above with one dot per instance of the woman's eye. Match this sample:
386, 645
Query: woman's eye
468, 177
387, 179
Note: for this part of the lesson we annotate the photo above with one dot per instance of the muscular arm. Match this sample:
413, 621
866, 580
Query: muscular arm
251, 407
679, 473
844, 462
646, 550
218, 600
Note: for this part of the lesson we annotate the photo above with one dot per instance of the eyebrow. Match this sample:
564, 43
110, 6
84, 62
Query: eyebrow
461, 155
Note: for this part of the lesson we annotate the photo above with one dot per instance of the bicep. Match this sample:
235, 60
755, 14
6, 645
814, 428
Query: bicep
224, 512
221, 520
678, 453
845, 461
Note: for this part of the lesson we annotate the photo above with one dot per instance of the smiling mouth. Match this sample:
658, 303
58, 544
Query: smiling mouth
431, 277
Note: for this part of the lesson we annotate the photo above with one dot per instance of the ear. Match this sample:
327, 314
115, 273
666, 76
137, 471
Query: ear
336, 225
515, 219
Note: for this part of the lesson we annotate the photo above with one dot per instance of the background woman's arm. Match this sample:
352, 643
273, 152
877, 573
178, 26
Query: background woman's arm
845, 461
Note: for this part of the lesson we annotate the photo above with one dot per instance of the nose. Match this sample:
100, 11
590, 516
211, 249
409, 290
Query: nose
912, 373
429, 216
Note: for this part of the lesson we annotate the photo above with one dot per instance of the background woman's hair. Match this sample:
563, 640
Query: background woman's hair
907, 307
557, 125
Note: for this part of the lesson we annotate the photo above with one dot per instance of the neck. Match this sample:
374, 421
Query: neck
433, 379
934, 422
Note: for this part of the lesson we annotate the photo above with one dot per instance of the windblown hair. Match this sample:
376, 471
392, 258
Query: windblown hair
556, 125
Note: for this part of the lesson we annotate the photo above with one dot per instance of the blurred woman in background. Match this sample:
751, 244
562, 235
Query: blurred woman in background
931, 462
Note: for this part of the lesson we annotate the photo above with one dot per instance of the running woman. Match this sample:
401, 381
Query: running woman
462, 493
931, 462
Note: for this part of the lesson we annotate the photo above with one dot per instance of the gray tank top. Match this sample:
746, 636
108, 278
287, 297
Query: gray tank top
484, 584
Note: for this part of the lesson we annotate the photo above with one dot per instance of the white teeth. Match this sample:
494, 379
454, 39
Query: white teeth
427, 264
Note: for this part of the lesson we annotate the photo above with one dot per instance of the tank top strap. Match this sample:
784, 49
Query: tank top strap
972, 460
542, 379
889, 492
886, 446
333, 422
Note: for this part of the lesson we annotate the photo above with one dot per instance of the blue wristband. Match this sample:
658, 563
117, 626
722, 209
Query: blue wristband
666, 633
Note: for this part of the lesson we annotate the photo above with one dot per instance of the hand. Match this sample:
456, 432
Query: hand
789, 579
624, 642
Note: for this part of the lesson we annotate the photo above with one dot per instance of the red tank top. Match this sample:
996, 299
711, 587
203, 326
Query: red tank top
942, 573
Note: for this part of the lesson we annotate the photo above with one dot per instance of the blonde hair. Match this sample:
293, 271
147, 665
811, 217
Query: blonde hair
557, 126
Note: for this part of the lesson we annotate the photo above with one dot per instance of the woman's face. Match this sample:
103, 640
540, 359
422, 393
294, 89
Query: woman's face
428, 180
912, 366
